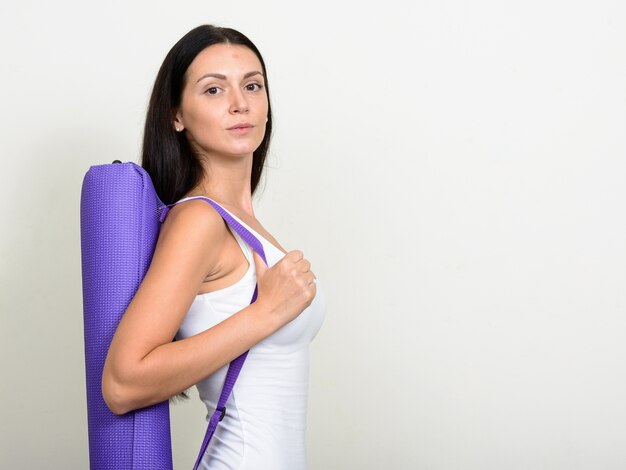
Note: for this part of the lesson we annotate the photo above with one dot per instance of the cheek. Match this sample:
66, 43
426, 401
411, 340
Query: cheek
205, 117
206, 128
265, 107
203, 129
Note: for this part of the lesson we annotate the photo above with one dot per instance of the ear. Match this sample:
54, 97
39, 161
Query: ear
177, 120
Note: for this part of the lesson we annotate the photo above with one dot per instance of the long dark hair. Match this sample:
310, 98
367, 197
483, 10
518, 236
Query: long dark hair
167, 155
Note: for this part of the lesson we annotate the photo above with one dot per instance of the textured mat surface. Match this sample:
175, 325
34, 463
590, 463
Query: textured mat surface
119, 221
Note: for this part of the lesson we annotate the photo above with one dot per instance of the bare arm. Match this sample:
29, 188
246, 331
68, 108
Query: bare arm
143, 365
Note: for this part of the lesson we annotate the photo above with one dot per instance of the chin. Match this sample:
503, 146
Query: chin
245, 149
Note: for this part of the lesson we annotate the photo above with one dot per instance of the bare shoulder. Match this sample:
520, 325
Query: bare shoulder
193, 216
193, 228
195, 213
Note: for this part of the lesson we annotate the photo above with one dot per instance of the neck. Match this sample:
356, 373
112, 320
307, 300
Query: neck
226, 180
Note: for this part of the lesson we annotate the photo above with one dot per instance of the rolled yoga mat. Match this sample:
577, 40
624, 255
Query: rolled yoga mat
119, 223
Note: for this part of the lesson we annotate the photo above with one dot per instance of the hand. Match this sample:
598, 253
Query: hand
287, 288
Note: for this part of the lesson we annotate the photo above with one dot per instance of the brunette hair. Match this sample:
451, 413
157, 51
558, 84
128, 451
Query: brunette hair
167, 155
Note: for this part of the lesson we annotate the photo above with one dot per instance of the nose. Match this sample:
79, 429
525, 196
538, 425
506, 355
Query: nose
239, 103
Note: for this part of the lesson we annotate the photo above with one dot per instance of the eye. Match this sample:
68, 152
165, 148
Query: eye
212, 90
254, 86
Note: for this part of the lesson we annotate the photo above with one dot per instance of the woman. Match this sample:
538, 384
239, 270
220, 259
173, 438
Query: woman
206, 136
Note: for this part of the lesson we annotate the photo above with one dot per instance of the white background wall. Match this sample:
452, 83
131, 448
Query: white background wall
453, 169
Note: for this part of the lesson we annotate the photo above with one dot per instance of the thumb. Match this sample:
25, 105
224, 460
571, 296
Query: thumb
259, 264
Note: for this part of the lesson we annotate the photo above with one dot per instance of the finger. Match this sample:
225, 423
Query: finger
296, 255
306, 266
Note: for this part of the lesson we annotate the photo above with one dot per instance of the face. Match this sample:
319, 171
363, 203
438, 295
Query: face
224, 104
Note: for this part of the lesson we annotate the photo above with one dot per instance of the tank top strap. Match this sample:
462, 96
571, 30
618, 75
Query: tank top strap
244, 246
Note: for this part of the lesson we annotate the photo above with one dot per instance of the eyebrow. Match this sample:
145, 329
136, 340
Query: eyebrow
223, 77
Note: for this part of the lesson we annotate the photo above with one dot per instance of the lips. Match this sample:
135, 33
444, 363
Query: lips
242, 125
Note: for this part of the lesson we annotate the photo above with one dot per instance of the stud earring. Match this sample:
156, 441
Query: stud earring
177, 129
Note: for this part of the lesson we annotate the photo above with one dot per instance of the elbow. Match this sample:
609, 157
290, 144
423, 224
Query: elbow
122, 395
114, 396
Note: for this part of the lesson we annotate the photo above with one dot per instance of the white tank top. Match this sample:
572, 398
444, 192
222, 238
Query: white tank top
265, 421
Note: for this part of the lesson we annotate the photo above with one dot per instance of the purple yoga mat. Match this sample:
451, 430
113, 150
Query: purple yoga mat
119, 221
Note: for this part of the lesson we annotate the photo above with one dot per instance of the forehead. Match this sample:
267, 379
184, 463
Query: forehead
225, 59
